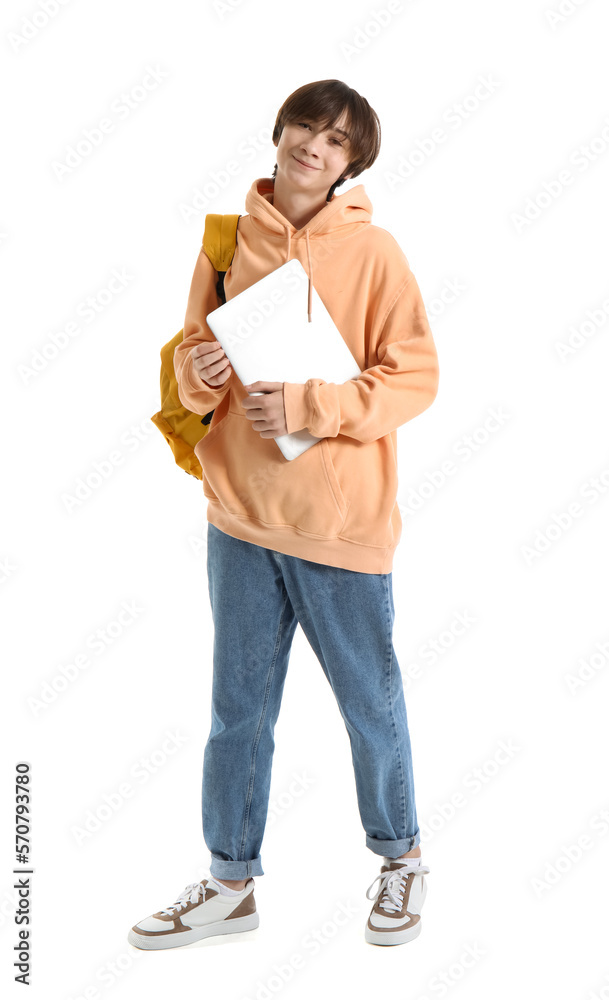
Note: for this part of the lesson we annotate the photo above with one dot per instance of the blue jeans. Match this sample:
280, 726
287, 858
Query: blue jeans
258, 596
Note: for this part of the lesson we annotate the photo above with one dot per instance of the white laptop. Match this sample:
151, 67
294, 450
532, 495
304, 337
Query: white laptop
266, 335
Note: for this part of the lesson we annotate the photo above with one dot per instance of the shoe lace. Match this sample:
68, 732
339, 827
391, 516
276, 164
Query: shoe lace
392, 885
190, 894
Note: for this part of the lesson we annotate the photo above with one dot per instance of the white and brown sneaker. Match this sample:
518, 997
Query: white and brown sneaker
199, 912
396, 915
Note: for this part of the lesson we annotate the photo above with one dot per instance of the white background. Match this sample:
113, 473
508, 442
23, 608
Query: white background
513, 905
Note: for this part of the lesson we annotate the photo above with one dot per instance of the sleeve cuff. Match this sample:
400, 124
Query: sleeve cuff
296, 408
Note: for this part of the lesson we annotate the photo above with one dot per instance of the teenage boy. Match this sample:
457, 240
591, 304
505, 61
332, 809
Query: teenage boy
308, 541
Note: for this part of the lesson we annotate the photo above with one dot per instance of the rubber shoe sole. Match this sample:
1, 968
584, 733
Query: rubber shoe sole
147, 943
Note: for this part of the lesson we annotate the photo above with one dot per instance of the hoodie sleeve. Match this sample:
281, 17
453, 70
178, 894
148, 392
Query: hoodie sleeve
195, 394
381, 399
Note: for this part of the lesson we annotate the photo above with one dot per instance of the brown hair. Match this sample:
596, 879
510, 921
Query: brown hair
324, 102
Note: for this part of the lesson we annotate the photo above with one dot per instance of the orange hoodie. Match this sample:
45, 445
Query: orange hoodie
336, 503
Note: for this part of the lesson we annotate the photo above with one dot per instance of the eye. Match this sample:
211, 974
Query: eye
305, 124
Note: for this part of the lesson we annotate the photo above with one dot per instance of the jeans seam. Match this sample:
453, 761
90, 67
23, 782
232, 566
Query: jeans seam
250, 790
395, 731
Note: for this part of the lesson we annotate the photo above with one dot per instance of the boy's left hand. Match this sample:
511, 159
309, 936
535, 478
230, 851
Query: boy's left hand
266, 412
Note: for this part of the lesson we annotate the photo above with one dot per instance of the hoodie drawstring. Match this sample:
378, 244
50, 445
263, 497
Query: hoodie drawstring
287, 257
310, 302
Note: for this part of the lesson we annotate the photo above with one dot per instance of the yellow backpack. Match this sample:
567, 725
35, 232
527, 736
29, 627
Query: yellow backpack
181, 428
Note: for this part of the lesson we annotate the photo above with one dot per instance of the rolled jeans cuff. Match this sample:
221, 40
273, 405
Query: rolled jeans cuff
393, 848
237, 870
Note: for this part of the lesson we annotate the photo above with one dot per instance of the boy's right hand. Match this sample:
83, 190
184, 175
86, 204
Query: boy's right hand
211, 363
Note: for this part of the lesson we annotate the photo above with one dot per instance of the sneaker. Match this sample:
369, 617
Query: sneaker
396, 915
199, 912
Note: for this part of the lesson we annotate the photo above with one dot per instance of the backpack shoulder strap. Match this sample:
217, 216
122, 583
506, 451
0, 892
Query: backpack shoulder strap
220, 239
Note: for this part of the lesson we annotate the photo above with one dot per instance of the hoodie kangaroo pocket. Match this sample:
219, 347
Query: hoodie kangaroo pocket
367, 472
250, 478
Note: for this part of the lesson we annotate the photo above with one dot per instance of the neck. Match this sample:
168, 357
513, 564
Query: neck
298, 207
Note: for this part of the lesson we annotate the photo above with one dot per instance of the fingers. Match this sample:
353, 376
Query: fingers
208, 353
211, 363
206, 347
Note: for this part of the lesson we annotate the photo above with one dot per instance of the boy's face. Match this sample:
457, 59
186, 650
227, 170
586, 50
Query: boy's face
327, 153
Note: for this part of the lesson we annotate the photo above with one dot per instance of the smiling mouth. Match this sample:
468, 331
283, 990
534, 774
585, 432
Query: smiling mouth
307, 165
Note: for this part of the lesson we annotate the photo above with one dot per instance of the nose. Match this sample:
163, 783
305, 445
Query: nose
309, 145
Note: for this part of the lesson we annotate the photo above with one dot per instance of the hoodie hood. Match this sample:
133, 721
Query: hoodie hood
343, 214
